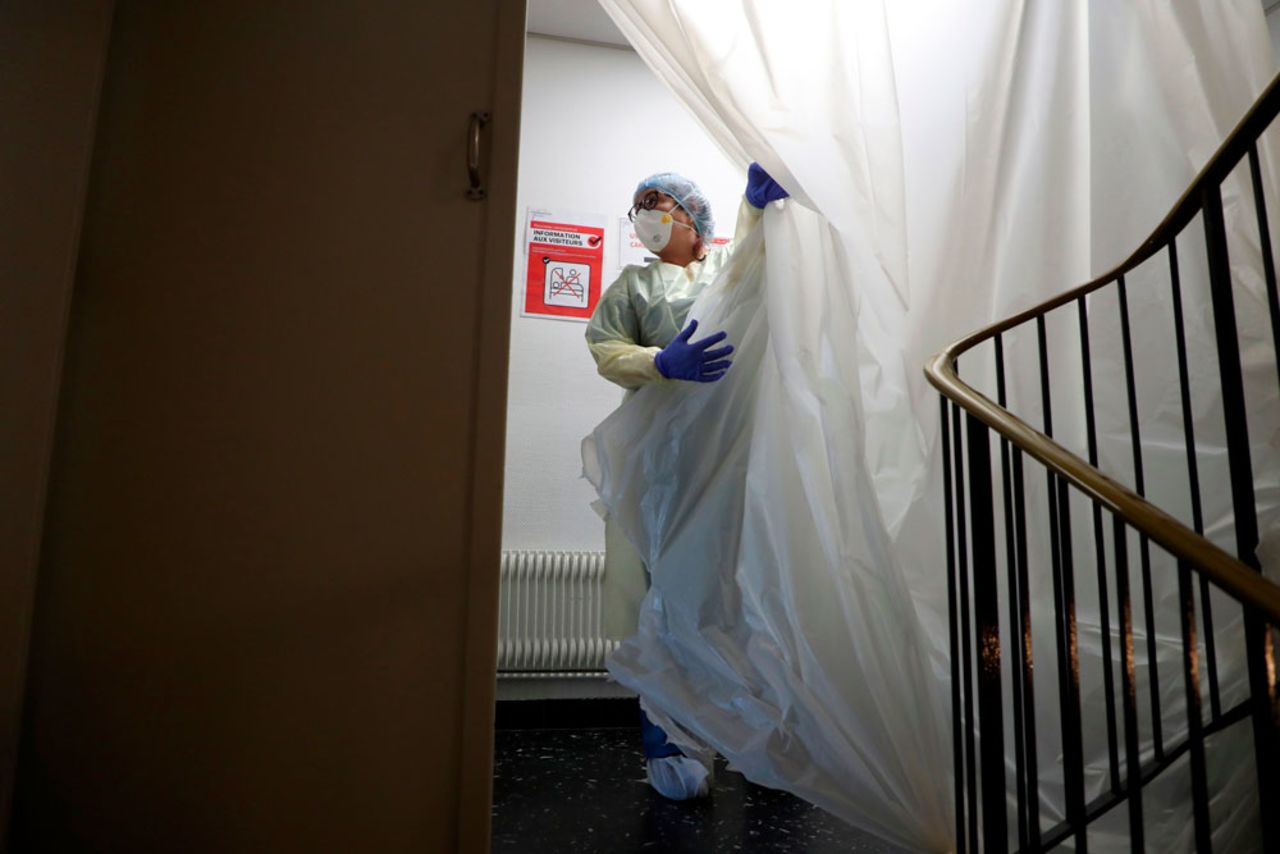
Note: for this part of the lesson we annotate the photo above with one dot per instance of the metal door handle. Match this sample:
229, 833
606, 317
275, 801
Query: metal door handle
476, 191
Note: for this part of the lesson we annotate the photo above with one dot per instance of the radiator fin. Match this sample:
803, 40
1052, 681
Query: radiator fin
550, 617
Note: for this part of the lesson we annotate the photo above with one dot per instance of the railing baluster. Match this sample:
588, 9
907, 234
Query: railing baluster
1100, 552
1258, 639
1139, 486
1193, 476
1268, 260
1072, 738
1028, 660
1233, 404
986, 612
1260, 655
1195, 738
1021, 780
1064, 603
966, 661
1129, 688
957, 749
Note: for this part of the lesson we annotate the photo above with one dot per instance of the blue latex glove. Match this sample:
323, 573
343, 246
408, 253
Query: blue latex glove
761, 189
696, 362
654, 740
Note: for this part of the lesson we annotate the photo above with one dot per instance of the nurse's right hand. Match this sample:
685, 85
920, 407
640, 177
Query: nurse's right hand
696, 361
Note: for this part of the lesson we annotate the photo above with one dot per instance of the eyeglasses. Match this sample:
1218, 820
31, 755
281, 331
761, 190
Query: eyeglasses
648, 202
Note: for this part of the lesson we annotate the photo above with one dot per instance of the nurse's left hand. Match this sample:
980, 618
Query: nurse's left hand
696, 361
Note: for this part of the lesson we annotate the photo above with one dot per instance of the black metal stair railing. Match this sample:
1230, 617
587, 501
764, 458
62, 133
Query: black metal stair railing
988, 458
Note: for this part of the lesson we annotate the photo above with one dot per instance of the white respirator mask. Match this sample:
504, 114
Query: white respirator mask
654, 228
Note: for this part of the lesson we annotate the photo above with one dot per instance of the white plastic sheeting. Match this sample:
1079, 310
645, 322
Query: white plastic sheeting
950, 164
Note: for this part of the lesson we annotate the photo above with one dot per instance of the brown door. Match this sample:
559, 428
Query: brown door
264, 612
51, 60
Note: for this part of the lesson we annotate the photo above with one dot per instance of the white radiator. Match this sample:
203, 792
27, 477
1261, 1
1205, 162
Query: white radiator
550, 614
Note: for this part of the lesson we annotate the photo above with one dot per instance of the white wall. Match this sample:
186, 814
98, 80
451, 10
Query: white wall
1273, 27
595, 121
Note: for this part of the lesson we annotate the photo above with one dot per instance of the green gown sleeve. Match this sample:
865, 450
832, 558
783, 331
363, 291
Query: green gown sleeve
613, 336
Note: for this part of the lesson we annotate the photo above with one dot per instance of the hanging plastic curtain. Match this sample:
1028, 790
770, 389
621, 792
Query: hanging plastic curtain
949, 163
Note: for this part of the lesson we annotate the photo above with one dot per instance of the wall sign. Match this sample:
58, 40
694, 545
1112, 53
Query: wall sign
564, 261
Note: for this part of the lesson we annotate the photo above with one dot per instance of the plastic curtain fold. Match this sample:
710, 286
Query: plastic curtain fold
950, 164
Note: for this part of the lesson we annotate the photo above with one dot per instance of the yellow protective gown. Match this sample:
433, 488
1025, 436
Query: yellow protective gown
638, 315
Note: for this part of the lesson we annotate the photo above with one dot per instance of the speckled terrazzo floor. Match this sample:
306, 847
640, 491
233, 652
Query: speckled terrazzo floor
583, 791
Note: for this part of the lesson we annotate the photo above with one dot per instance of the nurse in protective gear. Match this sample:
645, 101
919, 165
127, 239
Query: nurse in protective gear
639, 334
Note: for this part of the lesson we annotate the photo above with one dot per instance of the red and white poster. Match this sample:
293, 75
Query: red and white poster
564, 262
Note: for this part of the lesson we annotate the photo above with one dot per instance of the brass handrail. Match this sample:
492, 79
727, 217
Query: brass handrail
1183, 543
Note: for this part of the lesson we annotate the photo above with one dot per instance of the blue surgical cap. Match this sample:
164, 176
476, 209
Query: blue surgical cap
687, 195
